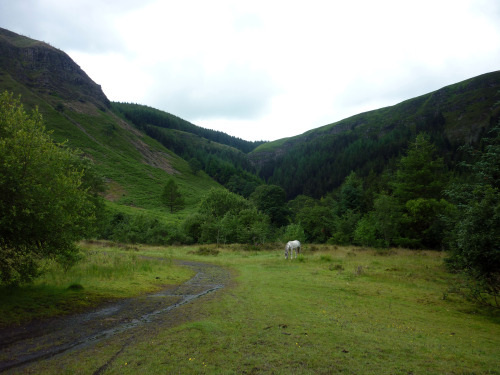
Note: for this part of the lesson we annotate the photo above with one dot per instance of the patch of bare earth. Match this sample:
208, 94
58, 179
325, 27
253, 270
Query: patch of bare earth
154, 158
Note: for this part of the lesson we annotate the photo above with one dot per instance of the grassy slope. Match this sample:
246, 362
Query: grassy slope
339, 310
135, 166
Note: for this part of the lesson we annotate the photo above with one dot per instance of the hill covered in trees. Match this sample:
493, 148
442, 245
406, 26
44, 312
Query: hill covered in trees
318, 161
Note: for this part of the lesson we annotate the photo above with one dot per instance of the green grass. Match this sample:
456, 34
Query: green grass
377, 313
110, 273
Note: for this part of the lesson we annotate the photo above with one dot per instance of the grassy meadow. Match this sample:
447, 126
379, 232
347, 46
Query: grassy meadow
333, 310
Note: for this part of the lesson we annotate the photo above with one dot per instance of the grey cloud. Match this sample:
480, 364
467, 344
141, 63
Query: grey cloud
80, 25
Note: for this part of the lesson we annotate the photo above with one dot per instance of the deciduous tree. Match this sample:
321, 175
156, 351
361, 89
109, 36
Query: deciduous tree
46, 203
271, 200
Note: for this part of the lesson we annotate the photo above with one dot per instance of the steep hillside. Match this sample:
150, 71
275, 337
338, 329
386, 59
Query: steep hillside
224, 161
134, 165
318, 161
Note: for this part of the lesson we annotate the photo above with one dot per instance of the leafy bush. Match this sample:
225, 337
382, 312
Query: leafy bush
294, 232
119, 227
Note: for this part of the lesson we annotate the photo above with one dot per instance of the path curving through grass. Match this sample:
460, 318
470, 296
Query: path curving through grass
38, 340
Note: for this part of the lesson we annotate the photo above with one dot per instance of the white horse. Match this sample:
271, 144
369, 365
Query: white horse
292, 246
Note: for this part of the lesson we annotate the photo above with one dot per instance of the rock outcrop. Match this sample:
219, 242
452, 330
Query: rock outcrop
48, 71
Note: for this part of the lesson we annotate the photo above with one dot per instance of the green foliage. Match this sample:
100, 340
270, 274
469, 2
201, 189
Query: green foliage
344, 228
319, 161
351, 194
387, 214
420, 174
47, 195
424, 222
172, 197
253, 226
412, 215
271, 200
219, 202
195, 165
474, 237
191, 228
298, 203
225, 217
138, 228
243, 184
318, 222
294, 232
366, 233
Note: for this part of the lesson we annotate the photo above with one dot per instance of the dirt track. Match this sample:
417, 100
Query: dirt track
44, 339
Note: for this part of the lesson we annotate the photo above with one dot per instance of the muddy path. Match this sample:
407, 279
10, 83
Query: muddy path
39, 340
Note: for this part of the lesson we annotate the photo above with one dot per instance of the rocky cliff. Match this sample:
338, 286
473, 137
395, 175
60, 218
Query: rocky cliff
48, 71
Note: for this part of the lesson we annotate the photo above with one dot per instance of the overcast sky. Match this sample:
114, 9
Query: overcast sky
264, 70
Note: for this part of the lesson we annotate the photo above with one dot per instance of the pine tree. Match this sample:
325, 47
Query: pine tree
171, 196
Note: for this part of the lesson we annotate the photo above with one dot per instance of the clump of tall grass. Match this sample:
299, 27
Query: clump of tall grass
116, 270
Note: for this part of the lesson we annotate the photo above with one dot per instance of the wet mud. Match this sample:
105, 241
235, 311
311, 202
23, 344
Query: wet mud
39, 340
